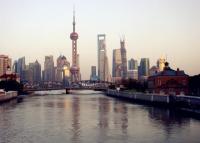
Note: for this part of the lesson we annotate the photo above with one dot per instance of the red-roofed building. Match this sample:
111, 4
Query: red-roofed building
169, 81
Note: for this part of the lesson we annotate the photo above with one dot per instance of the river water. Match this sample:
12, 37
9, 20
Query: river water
91, 117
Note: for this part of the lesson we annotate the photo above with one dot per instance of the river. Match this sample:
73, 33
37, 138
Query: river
91, 117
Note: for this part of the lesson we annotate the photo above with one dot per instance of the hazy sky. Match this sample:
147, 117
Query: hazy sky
152, 28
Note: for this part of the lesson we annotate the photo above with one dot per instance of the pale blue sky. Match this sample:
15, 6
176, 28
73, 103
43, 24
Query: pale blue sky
152, 28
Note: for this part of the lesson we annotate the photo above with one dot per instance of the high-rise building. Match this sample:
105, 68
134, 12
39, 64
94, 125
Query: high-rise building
62, 64
103, 68
93, 75
133, 74
161, 64
116, 65
133, 69
26, 74
124, 59
37, 72
75, 69
5, 63
14, 68
31, 72
132, 64
49, 73
21, 67
144, 68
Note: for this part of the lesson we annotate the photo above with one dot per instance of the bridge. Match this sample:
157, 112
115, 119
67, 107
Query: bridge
81, 85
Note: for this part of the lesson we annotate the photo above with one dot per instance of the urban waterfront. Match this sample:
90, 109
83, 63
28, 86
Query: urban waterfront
89, 117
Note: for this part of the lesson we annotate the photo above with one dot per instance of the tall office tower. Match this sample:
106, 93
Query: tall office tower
5, 63
161, 63
26, 74
116, 65
62, 64
49, 73
124, 59
21, 67
93, 75
133, 74
14, 67
37, 72
103, 68
144, 68
30, 68
132, 64
75, 69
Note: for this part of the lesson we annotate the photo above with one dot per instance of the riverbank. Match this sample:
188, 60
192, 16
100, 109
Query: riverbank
188, 104
6, 96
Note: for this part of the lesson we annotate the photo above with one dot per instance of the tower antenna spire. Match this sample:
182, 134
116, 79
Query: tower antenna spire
74, 22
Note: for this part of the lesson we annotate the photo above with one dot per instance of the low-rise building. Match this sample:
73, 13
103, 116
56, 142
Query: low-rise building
169, 81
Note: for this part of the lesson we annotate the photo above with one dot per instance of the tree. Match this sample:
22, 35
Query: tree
194, 85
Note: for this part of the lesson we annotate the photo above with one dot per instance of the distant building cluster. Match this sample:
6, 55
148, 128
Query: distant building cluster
160, 77
123, 69
32, 74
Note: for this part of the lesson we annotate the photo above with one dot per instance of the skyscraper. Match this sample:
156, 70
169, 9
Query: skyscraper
31, 72
37, 72
14, 68
5, 62
133, 69
93, 75
21, 67
133, 74
49, 73
75, 69
61, 64
116, 65
161, 63
132, 64
103, 69
144, 68
124, 59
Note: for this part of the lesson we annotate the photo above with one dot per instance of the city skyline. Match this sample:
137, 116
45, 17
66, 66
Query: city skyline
151, 29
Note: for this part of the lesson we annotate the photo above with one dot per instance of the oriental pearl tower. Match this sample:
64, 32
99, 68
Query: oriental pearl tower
75, 70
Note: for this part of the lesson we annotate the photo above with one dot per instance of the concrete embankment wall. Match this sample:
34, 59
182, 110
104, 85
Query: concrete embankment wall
189, 103
8, 96
148, 98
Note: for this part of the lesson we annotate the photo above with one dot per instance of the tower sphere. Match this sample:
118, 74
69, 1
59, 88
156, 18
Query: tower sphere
74, 36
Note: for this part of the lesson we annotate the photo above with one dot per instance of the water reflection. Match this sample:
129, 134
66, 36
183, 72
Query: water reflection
86, 118
121, 116
168, 119
104, 109
103, 119
75, 120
